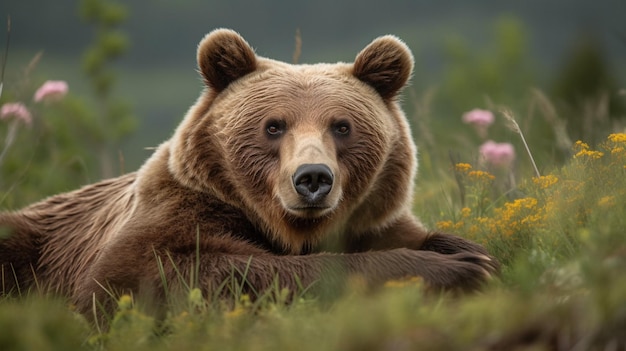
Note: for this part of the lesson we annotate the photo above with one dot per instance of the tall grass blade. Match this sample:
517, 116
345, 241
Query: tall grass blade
6, 54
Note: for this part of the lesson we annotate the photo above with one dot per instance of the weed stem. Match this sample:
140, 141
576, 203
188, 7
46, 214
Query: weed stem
508, 114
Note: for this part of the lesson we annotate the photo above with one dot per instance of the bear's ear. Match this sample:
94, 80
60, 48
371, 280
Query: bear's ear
223, 57
386, 64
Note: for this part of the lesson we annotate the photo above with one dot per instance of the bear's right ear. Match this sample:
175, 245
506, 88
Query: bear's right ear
223, 57
385, 64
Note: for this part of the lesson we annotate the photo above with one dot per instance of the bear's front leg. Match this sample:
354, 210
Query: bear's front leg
222, 266
407, 232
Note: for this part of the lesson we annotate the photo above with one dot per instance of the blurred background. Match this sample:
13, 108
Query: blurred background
559, 66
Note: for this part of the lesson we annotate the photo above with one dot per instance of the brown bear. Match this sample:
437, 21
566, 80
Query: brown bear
294, 175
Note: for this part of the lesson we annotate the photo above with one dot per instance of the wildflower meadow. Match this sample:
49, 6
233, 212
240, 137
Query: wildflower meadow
518, 173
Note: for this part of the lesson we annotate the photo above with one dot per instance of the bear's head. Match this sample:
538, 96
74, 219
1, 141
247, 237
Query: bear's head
306, 151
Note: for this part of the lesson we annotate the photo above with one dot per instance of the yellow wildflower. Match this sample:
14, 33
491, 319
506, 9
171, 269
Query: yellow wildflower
582, 150
245, 301
236, 312
401, 283
482, 220
473, 230
545, 181
581, 146
458, 225
589, 153
125, 302
444, 225
481, 175
195, 297
511, 208
462, 167
517, 215
466, 212
531, 219
606, 201
617, 137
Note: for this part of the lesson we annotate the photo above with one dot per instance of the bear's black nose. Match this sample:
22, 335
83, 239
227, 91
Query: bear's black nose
313, 181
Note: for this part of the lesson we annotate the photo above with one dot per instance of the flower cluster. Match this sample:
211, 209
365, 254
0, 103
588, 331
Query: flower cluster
478, 117
614, 150
480, 176
507, 221
480, 120
16, 110
516, 216
616, 146
546, 181
582, 151
617, 138
476, 182
497, 154
564, 200
50, 91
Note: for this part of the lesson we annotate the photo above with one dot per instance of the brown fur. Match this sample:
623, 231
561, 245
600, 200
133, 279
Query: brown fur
222, 191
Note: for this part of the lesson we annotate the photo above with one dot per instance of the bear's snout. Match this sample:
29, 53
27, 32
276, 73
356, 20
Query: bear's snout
309, 180
313, 182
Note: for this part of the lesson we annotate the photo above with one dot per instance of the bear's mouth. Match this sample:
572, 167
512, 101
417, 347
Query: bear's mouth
309, 211
305, 219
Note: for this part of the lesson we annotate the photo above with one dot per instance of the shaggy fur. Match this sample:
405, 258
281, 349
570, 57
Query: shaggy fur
223, 191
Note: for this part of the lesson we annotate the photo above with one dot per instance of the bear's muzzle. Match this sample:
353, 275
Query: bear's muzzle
313, 182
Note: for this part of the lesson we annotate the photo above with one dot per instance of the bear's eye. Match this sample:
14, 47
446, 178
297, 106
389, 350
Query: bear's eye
341, 128
274, 128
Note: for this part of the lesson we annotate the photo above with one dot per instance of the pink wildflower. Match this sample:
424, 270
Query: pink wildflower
480, 119
497, 154
17, 110
51, 90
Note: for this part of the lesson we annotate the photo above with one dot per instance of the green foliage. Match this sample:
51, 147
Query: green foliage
47, 157
583, 102
38, 324
70, 141
109, 43
107, 13
50, 154
487, 78
501, 73
587, 91
114, 115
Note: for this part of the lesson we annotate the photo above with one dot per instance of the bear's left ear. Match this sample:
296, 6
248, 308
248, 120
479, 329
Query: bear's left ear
386, 64
223, 57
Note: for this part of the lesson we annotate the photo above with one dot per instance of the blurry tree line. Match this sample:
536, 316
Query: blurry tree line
73, 141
